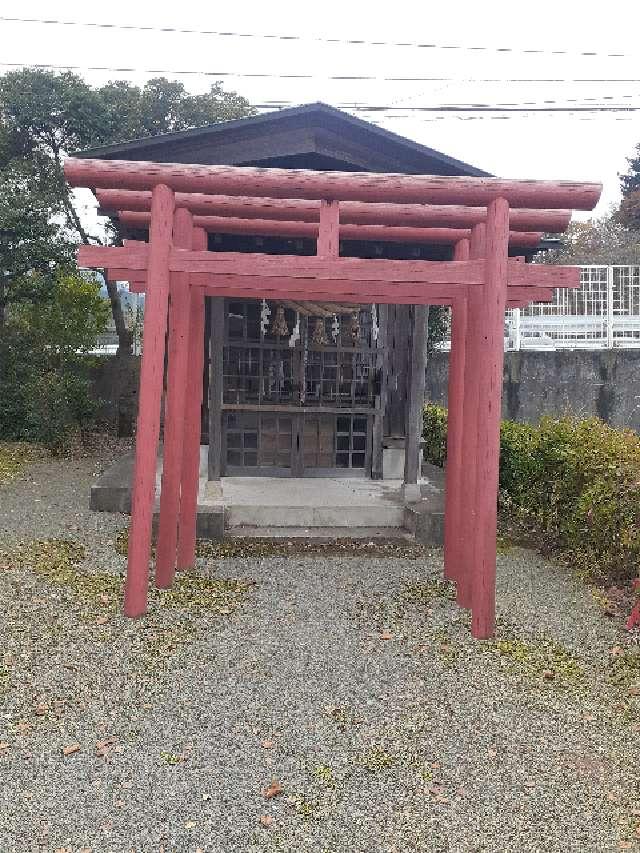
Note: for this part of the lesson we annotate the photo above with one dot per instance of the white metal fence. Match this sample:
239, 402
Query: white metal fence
604, 312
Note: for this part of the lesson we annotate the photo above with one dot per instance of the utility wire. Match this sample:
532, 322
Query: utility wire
324, 40
340, 77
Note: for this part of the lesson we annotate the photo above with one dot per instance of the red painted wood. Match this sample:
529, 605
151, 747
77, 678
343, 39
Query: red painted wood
455, 398
339, 186
256, 266
351, 212
329, 290
467, 511
192, 426
259, 266
123, 257
328, 243
309, 230
151, 376
176, 398
488, 422
132, 276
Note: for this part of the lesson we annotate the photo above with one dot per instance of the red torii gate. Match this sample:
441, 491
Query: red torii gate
180, 203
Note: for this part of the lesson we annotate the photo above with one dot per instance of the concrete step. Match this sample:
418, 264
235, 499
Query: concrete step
300, 516
323, 533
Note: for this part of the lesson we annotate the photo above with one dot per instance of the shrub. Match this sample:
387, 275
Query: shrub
573, 483
44, 375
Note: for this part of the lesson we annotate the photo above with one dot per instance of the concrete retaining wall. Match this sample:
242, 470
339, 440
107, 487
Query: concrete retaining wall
115, 387
605, 383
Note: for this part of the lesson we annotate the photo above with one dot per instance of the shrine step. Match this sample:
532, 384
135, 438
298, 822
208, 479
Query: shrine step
252, 515
327, 534
334, 502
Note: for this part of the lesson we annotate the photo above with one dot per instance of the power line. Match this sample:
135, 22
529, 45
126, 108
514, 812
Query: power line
572, 104
338, 77
321, 39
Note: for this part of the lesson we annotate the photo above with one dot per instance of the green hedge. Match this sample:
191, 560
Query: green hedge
574, 484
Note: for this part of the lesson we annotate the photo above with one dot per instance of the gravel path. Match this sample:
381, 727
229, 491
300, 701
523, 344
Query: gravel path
349, 681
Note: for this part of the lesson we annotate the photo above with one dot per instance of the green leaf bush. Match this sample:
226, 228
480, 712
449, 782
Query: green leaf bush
573, 485
45, 389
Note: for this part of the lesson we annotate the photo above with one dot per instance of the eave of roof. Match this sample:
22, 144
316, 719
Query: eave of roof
128, 150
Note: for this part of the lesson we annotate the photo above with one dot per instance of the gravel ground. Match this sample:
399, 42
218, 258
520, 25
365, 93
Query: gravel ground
350, 681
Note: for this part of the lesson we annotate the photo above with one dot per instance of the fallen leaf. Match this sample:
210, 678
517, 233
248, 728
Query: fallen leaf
71, 749
634, 690
104, 747
548, 674
529, 783
616, 650
386, 635
492, 753
272, 790
267, 744
3, 745
189, 824
41, 709
625, 845
102, 620
266, 820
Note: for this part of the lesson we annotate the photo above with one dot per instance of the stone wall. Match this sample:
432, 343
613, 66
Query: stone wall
605, 383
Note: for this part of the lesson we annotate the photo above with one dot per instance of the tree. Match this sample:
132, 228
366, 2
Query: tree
598, 241
629, 213
45, 115
32, 241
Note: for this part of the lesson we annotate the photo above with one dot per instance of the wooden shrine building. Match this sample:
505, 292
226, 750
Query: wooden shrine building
316, 284
309, 389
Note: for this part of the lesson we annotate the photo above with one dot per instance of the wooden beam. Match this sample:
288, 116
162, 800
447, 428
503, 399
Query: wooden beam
463, 549
328, 232
351, 212
176, 400
310, 230
193, 423
255, 265
488, 421
453, 521
339, 186
148, 429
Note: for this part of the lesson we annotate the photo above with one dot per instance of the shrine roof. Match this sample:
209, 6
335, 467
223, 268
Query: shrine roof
312, 136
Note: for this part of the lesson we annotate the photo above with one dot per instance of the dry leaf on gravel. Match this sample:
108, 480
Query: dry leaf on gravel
273, 790
71, 749
104, 747
267, 744
266, 820
386, 635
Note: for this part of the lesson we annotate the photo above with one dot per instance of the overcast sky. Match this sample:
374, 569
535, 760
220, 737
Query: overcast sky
584, 146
